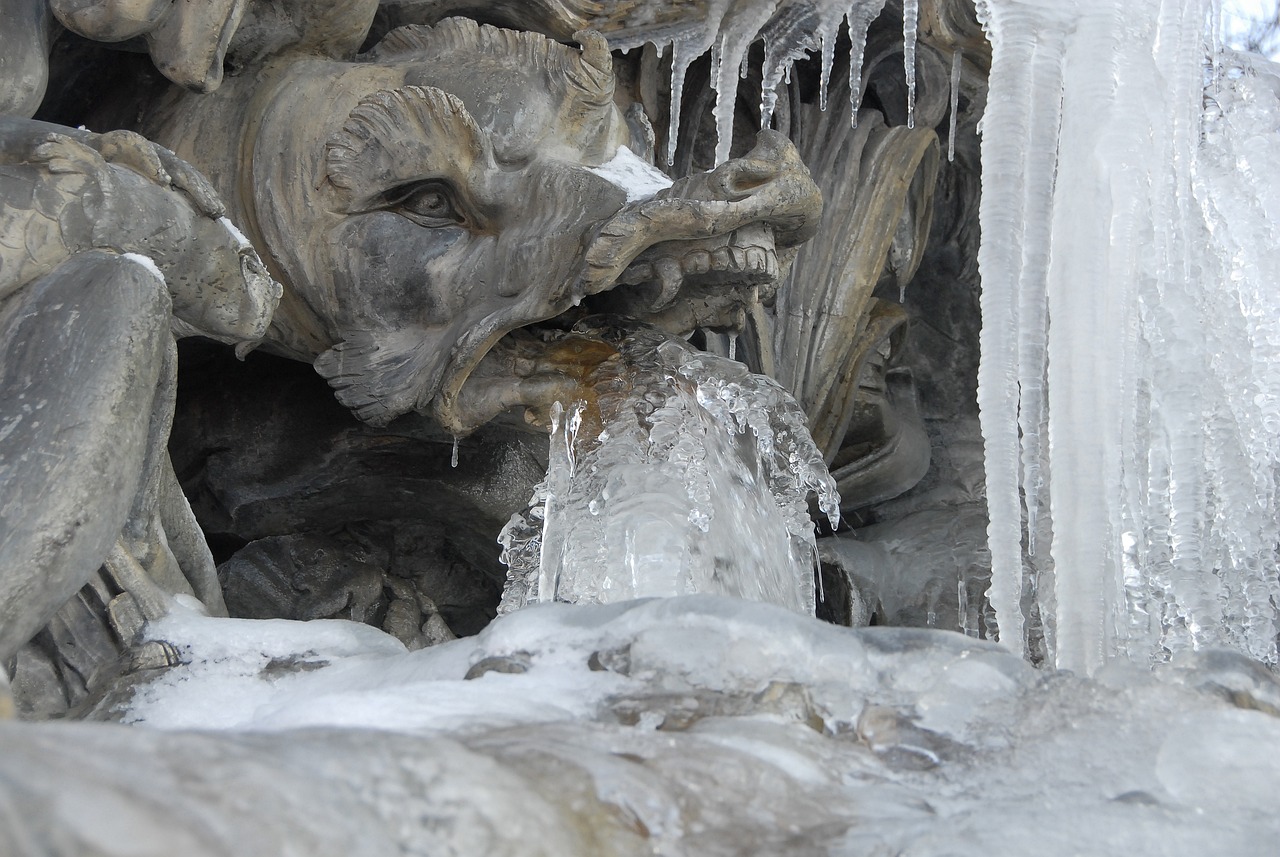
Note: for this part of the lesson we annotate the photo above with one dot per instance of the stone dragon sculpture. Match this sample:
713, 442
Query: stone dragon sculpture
434, 209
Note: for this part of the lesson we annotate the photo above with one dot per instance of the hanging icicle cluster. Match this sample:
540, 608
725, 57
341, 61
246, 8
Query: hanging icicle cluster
790, 30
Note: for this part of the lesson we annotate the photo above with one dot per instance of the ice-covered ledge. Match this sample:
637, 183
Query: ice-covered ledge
696, 725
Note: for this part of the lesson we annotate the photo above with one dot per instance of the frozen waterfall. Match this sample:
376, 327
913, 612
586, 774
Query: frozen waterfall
1131, 369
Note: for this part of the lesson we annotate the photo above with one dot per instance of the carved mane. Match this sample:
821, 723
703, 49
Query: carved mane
587, 74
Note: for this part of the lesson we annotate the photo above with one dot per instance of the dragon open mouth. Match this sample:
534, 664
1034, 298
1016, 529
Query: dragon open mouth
679, 287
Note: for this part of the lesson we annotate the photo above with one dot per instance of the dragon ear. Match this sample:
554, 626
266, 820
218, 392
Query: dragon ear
559, 19
381, 375
588, 71
582, 76
382, 128
595, 63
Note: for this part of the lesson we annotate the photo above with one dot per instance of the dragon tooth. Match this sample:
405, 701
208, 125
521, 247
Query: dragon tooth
670, 278
696, 262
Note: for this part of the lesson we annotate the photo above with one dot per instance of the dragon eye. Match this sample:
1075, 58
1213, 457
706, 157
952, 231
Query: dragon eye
426, 203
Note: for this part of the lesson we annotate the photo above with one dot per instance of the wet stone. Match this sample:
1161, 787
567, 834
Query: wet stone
513, 664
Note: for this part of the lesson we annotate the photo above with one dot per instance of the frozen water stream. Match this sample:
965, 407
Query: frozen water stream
685, 474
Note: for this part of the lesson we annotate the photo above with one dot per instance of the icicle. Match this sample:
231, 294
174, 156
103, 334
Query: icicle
1045, 81
733, 345
453, 458
1002, 217
822, 587
824, 75
726, 87
910, 23
768, 101
548, 561
572, 426
560, 472
729, 55
859, 19
1215, 44
789, 36
680, 62
957, 60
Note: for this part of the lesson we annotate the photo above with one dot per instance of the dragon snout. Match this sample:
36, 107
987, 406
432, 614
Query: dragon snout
769, 188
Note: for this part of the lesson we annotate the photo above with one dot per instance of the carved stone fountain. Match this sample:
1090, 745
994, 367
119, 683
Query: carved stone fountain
282, 337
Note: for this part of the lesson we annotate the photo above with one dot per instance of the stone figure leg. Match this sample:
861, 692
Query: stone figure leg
161, 550
82, 351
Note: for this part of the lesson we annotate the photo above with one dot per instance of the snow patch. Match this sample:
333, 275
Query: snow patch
242, 242
146, 262
639, 178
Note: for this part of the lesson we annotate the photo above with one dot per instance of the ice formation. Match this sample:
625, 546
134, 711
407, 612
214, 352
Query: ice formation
686, 474
1130, 378
910, 16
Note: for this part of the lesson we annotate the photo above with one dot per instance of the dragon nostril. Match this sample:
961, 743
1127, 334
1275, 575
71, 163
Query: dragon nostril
749, 175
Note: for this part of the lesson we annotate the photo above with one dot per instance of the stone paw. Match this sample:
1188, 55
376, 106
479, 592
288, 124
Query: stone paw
61, 154
161, 166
